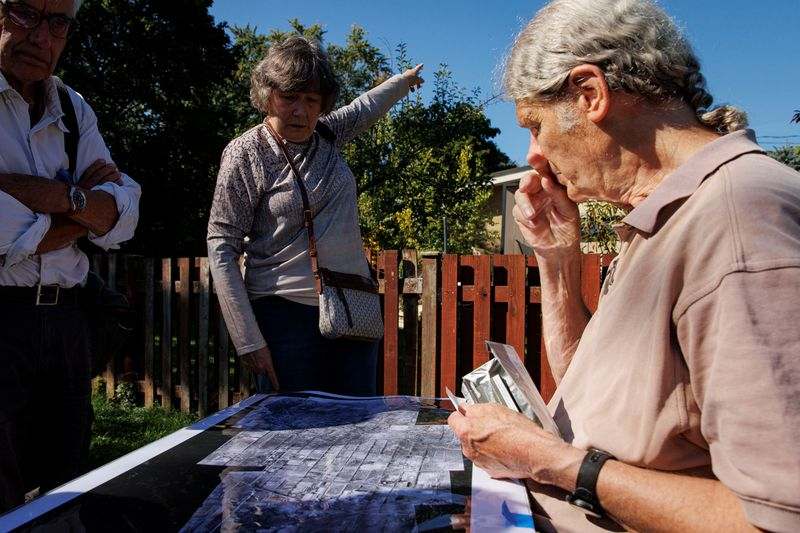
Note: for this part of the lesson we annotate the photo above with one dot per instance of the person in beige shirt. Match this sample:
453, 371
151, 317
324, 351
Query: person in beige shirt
687, 377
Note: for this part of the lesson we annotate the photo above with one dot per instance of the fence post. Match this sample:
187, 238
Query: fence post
110, 374
166, 333
449, 343
390, 321
547, 385
514, 295
202, 337
430, 308
149, 331
408, 381
184, 288
222, 362
482, 314
590, 280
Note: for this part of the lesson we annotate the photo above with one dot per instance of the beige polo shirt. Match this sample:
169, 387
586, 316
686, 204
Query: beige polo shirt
692, 360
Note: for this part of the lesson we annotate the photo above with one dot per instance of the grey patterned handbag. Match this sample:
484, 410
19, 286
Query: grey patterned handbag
349, 305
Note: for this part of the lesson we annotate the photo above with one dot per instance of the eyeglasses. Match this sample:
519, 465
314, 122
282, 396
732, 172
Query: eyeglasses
26, 17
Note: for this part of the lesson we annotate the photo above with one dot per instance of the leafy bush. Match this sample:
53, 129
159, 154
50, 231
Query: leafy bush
788, 155
597, 227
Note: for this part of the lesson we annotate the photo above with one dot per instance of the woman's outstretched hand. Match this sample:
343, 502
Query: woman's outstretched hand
412, 77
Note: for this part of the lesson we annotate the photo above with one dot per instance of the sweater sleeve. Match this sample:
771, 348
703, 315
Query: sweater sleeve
350, 121
235, 198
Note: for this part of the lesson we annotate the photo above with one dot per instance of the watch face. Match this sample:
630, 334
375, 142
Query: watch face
78, 200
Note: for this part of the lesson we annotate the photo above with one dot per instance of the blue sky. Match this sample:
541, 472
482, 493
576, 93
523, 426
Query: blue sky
750, 51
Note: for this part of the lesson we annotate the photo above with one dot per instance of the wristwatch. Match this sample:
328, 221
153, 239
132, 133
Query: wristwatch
585, 497
77, 200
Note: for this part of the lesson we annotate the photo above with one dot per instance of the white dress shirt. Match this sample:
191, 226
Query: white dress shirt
38, 150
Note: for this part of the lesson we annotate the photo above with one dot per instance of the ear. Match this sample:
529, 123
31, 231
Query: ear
270, 109
589, 85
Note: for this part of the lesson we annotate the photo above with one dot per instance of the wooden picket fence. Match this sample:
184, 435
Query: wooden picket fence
438, 311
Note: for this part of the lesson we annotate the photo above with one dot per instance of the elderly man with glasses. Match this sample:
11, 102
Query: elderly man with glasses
57, 184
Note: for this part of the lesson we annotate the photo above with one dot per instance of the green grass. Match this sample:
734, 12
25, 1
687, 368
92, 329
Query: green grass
120, 427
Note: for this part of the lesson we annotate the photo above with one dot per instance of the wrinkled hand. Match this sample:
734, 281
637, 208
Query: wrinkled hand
548, 219
98, 173
509, 445
260, 361
412, 77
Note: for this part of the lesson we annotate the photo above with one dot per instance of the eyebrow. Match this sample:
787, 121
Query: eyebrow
528, 116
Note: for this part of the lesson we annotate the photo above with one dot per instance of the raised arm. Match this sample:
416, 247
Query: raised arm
550, 223
353, 119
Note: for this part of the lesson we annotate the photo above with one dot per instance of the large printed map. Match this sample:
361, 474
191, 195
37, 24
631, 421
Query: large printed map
315, 463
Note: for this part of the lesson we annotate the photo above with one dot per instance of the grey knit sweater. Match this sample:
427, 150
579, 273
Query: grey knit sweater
256, 198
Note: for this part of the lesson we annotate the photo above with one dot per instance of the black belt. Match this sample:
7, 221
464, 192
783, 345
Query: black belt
39, 295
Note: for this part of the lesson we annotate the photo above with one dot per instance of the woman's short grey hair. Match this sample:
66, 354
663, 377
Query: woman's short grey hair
634, 42
296, 64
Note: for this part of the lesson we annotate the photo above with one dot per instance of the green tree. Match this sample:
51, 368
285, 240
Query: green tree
597, 227
788, 155
427, 164
152, 72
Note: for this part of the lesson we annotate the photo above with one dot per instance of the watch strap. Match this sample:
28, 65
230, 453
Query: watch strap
585, 495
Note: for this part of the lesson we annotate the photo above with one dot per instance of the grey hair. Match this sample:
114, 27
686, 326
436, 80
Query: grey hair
77, 5
634, 42
295, 64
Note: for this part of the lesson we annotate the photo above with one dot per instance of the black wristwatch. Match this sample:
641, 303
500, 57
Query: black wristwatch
585, 497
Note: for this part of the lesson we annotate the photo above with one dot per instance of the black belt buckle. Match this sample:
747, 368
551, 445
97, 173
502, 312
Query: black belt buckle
47, 294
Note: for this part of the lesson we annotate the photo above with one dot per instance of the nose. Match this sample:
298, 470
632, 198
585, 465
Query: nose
40, 35
298, 109
535, 157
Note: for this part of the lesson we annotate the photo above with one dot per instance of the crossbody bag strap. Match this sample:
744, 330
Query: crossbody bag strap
308, 217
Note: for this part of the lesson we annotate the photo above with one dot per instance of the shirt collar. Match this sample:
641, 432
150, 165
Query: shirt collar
52, 102
687, 178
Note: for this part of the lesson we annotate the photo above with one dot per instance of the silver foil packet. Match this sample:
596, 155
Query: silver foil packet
504, 380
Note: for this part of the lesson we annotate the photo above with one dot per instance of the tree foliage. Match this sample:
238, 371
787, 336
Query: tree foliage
597, 227
151, 72
788, 155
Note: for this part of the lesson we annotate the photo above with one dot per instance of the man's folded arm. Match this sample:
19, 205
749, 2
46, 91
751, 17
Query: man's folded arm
109, 206
62, 233
124, 200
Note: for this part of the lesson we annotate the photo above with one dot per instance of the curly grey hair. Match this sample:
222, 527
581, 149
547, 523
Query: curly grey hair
634, 42
295, 64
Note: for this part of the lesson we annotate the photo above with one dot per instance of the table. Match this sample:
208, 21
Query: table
304, 461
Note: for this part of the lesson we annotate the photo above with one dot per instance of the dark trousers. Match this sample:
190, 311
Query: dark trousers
45, 394
305, 360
